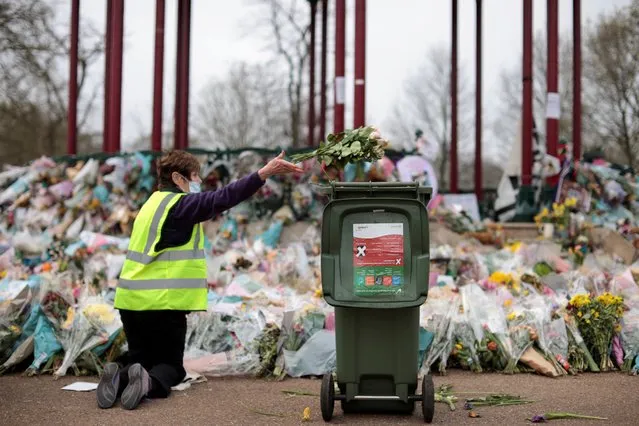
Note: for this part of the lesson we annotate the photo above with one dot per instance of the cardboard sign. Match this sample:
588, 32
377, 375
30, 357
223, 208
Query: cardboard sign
467, 202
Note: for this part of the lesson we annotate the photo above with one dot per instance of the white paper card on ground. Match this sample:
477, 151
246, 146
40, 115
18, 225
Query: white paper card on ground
467, 202
191, 378
553, 106
81, 387
340, 90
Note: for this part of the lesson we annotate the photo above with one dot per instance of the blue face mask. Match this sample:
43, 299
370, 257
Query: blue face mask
194, 187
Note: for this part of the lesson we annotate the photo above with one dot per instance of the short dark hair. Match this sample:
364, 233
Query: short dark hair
176, 161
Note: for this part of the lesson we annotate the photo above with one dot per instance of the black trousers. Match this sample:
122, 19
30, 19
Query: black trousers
156, 341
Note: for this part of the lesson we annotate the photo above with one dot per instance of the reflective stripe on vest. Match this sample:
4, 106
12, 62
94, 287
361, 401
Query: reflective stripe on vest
145, 259
164, 284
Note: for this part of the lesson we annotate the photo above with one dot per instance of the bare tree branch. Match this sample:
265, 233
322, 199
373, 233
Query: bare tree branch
34, 54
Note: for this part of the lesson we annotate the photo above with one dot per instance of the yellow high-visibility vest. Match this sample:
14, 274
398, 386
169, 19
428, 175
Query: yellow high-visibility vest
169, 279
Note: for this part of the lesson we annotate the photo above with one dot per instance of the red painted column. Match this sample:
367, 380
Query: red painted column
107, 77
453, 98
310, 141
552, 79
158, 76
72, 118
527, 105
359, 115
339, 89
116, 75
182, 75
478, 101
323, 71
576, 81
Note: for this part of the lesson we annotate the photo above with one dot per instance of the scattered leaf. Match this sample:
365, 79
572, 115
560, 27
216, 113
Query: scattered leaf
299, 393
306, 415
266, 413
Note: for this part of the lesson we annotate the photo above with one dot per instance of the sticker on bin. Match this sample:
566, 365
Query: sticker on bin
378, 258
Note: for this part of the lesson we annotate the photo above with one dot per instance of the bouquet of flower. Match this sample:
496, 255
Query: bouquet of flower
493, 351
559, 216
489, 325
208, 332
351, 146
523, 334
556, 343
297, 327
438, 317
630, 338
579, 356
305, 324
9, 334
579, 250
598, 318
74, 336
463, 339
267, 349
507, 280
92, 325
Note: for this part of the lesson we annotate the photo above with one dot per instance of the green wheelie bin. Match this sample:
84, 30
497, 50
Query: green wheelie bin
375, 264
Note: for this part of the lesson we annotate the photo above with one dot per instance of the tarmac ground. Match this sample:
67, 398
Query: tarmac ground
245, 401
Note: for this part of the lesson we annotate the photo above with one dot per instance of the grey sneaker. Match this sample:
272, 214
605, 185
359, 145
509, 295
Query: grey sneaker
107, 391
138, 387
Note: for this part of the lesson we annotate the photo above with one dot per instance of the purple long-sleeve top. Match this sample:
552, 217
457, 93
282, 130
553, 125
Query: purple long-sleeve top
192, 209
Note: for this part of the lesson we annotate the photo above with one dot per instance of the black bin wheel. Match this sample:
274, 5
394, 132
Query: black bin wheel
428, 398
327, 397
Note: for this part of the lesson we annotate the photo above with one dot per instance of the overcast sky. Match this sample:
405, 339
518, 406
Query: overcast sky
399, 33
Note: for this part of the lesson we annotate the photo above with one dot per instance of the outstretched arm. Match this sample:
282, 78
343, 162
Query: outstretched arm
203, 206
200, 207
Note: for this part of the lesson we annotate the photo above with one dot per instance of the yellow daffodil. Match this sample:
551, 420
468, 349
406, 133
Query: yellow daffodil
69, 322
514, 247
579, 300
571, 202
101, 312
608, 299
499, 277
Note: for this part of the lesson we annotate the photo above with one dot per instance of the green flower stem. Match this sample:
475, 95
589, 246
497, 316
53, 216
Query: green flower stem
561, 415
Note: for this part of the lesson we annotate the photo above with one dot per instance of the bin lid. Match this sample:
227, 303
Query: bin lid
361, 189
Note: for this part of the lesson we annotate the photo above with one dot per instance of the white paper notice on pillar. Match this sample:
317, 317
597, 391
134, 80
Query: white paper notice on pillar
340, 90
553, 106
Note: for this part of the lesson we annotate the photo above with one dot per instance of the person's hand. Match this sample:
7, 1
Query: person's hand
278, 166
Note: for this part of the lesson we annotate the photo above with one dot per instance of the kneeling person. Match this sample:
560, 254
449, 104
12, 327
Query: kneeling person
164, 276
